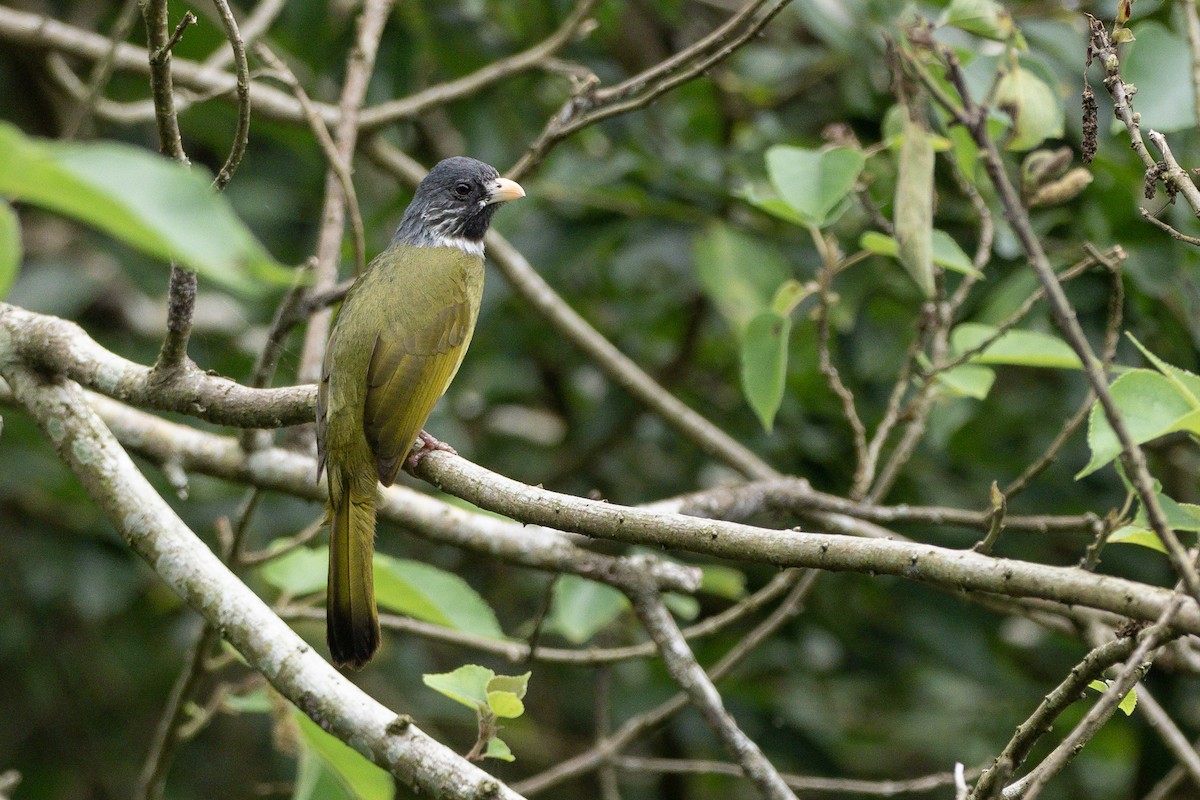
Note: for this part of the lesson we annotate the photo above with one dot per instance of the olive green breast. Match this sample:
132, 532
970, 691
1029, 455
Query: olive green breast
398, 340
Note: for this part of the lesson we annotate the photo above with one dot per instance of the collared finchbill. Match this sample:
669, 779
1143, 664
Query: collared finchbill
503, 189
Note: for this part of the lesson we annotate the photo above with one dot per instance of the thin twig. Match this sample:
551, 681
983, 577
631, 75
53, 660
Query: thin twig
1053, 704
170, 729
181, 289
591, 105
1101, 49
1135, 666
634, 727
162, 749
1112, 259
242, 135
255, 25
825, 298
414, 105
610, 789
801, 783
523, 652
1022, 311
917, 409
1167, 730
682, 665
1163, 226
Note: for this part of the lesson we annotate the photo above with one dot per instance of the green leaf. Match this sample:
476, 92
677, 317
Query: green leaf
1188, 382
879, 243
914, 205
771, 204
300, 572
402, 586
515, 684
1180, 516
505, 705
1165, 104
967, 380
434, 595
1150, 403
740, 274
353, 773
814, 182
985, 18
1142, 537
496, 748
683, 606
966, 152
946, 252
579, 608
1035, 108
892, 129
790, 294
723, 581
1128, 702
1016, 347
467, 684
10, 247
764, 364
257, 701
149, 202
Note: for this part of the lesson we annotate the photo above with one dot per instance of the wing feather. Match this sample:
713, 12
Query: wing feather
408, 372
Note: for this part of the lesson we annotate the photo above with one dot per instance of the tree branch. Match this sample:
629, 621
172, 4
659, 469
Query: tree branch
682, 665
58, 345
951, 569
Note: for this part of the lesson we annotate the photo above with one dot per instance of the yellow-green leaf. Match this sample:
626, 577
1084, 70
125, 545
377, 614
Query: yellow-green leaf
764, 364
496, 748
1151, 405
914, 205
814, 182
325, 758
1015, 347
1034, 107
466, 685
147, 201
505, 704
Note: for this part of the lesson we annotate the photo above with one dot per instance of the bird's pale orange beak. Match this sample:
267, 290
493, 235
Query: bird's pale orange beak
503, 189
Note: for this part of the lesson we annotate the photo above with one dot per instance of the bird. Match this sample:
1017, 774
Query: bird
396, 344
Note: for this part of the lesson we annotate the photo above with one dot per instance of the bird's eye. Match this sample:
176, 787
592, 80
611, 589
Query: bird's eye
462, 189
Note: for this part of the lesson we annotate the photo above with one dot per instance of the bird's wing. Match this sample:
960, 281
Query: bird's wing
408, 372
323, 408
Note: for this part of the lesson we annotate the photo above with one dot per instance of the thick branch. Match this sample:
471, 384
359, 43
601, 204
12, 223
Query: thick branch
57, 345
950, 569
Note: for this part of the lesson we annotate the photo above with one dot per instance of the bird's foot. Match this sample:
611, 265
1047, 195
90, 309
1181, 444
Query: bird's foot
426, 445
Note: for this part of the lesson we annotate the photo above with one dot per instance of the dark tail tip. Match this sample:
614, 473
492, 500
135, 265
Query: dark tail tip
352, 642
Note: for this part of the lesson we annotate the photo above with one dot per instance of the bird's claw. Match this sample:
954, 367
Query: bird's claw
426, 445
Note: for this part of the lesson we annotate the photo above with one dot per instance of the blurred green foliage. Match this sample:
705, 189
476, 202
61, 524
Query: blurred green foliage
634, 221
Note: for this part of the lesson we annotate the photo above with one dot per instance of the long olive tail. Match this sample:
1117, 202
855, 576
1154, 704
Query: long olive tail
351, 621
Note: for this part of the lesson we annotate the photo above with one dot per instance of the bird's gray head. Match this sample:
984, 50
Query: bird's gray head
454, 205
